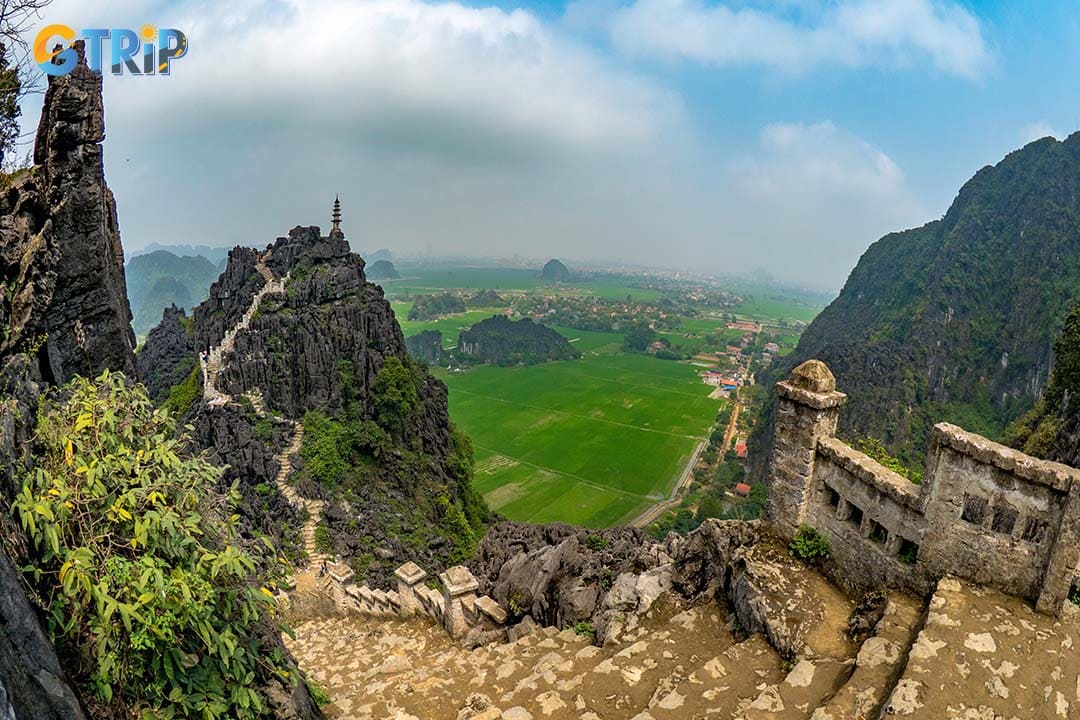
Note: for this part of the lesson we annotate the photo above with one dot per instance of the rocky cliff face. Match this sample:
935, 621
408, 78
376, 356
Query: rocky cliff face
955, 321
311, 354
229, 297
64, 311
168, 355
61, 261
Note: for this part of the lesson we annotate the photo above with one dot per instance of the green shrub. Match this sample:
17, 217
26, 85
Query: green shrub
139, 567
325, 449
586, 630
809, 544
184, 394
263, 429
397, 393
595, 542
318, 693
876, 450
515, 605
323, 541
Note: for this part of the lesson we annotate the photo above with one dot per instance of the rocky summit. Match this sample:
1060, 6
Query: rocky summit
64, 298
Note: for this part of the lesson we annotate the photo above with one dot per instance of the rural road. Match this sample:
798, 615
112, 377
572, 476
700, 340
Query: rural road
659, 509
653, 513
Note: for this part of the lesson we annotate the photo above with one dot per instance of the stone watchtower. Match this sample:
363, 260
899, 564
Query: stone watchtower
807, 409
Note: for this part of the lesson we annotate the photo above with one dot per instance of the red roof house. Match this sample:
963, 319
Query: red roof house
740, 451
742, 489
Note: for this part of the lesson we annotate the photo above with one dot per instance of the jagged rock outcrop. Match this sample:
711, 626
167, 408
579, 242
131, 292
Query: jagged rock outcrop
299, 345
316, 342
229, 297
169, 354
61, 262
426, 346
503, 341
64, 311
560, 575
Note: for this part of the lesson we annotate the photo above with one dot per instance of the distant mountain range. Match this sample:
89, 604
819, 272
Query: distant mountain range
216, 255
956, 320
160, 279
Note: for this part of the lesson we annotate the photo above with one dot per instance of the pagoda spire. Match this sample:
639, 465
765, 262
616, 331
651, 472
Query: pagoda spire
336, 216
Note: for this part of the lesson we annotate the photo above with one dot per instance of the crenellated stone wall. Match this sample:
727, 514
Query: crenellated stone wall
985, 512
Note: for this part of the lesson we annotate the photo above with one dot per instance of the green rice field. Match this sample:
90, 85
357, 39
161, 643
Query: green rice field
593, 441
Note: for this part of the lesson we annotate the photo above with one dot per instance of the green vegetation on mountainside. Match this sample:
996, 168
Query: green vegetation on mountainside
430, 307
954, 321
501, 341
1052, 428
371, 464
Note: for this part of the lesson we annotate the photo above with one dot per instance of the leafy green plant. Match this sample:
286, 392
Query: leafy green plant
139, 567
323, 541
318, 693
808, 544
876, 450
184, 394
586, 630
515, 604
596, 542
397, 393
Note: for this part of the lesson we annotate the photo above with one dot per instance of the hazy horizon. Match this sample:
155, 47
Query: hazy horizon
719, 137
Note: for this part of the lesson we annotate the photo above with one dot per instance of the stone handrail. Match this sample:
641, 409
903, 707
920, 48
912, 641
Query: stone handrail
457, 607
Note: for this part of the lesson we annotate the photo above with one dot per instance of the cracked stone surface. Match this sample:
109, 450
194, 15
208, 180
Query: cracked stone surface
983, 654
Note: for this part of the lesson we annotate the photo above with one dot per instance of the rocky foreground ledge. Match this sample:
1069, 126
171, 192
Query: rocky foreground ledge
723, 623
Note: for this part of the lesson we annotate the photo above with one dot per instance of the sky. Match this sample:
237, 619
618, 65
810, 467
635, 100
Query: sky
724, 136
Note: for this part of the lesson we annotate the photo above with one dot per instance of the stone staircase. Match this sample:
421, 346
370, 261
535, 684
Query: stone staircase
680, 663
216, 356
394, 659
314, 507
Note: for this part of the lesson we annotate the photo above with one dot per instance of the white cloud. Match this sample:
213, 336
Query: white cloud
440, 77
1037, 131
810, 198
847, 33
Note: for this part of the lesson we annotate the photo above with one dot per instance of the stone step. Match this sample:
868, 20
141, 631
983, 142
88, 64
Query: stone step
662, 655
807, 685
722, 687
879, 663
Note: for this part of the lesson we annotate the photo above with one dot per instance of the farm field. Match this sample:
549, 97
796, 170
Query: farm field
593, 441
423, 279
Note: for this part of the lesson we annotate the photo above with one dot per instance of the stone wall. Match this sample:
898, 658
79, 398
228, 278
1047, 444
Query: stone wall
984, 512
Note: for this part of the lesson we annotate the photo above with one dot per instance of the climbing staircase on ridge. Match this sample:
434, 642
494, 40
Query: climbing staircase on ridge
217, 353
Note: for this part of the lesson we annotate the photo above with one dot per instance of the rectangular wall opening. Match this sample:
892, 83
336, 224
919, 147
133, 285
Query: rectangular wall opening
855, 518
974, 510
833, 497
1034, 530
909, 552
1004, 519
878, 533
